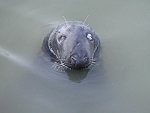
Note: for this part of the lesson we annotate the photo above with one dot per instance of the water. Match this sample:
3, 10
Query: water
123, 28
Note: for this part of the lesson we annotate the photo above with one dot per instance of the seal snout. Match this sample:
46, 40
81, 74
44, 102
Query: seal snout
79, 60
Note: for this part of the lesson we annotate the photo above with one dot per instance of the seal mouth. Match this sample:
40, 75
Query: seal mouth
86, 64
73, 66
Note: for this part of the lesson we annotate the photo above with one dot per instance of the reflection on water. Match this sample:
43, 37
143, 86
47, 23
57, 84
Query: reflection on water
123, 28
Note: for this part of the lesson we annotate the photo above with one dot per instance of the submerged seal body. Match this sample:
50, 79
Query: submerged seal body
73, 45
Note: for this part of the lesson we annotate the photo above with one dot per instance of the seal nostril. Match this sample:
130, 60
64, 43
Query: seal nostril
73, 60
79, 62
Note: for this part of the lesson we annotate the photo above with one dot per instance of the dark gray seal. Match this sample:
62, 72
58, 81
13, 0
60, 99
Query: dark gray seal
73, 45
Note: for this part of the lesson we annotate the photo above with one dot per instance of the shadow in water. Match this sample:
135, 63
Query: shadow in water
77, 75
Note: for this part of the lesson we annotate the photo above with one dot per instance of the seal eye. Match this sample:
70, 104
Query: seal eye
61, 38
89, 36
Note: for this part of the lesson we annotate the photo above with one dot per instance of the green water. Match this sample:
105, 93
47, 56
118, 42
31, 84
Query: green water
123, 28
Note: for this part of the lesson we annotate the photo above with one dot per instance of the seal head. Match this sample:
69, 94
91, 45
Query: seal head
73, 44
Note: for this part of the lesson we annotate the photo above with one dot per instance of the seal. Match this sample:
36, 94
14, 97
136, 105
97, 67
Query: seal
72, 44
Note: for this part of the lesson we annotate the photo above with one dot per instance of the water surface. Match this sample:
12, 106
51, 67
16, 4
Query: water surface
123, 28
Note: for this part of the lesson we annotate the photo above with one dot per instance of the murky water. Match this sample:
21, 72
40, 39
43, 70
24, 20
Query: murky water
123, 28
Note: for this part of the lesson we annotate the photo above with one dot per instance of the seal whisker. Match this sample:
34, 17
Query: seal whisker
93, 61
85, 21
95, 50
58, 66
65, 21
58, 54
87, 25
55, 65
92, 64
62, 65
